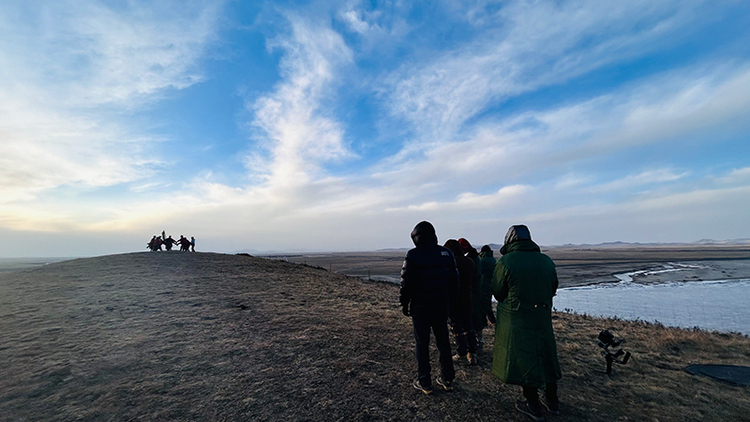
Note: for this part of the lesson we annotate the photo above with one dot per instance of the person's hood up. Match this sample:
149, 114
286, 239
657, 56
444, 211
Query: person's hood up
515, 233
424, 234
465, 245
467, 248
486, 251
454, 246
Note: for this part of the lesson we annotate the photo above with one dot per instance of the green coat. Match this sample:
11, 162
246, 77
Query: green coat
524, 283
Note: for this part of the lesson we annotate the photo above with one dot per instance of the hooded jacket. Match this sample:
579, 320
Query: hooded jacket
478, 317
486, 271
524, 282
466, 272
429, 278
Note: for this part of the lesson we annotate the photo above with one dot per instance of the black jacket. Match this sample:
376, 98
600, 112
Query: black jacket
429, 278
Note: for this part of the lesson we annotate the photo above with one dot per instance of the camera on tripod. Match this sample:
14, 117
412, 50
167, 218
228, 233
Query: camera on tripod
612, 350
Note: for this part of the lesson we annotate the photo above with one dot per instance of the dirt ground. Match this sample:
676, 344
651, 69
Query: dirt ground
575, 266
198, 336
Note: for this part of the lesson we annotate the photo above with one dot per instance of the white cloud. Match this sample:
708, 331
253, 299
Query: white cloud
504, 197
645, 178
297, 131
531, 46
70, 68
467, 167
355, 22
741, 175
379, 29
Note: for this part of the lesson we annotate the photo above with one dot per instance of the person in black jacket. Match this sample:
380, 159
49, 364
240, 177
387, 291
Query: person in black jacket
466, 341
429, 290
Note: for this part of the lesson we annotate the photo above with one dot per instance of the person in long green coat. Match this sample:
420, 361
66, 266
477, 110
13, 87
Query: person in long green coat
525, 353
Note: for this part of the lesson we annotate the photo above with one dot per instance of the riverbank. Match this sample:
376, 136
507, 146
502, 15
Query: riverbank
170, 336
575, 266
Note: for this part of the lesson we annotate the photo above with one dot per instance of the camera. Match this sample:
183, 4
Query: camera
612, 351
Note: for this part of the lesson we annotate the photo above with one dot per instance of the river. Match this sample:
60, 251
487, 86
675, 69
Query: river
720, 305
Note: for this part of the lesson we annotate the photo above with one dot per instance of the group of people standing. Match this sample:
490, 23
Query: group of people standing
454, 282
156, 242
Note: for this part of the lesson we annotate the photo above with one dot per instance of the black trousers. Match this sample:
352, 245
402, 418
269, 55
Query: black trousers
532, 394
438, 324
466, 340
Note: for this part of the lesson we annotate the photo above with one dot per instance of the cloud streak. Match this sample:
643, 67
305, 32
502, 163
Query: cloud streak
71, 69
295, 129
526, 112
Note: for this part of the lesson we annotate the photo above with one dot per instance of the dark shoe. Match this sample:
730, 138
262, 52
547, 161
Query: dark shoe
472, 358
553, 408
447, 385
427, 389
524, 407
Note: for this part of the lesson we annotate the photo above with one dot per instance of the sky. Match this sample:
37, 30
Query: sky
338, 125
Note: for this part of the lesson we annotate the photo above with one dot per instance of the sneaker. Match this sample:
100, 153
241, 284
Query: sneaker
425, 389
551, 408
447, 385
457, 358
472, 359
524, 407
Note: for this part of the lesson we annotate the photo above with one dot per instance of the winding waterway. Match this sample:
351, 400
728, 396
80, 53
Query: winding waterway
720, 305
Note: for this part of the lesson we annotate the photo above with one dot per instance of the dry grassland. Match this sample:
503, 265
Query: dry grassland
186, 337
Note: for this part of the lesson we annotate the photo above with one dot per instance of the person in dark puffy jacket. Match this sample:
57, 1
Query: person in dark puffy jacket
466, 341
429, 292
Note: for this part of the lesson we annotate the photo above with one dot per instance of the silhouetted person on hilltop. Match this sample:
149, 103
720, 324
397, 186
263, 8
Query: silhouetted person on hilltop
192, 243
429, 291
184, 244
525, 352
155, 244
168, 242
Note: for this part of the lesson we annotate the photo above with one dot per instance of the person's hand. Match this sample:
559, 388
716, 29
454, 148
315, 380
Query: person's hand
405, 310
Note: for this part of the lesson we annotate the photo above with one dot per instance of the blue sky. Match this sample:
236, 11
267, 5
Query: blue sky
338, 125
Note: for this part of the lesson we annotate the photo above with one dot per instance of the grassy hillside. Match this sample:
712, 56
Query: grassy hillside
174, 336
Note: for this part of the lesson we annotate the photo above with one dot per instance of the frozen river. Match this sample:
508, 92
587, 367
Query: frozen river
712, 305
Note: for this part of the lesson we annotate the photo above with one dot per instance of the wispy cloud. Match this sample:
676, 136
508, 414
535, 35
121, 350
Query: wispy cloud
645, 178
505, 197
297, 131
480, 114
530, 46
70, 69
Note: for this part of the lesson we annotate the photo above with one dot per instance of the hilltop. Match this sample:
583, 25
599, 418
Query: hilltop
199, 336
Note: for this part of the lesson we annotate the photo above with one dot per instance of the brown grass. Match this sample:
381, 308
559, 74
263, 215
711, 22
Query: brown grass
171, 336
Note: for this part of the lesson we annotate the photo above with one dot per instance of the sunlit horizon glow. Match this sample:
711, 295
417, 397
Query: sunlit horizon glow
338, 125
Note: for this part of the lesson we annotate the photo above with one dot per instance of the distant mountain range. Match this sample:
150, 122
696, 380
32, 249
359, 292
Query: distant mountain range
712, 242
497, 246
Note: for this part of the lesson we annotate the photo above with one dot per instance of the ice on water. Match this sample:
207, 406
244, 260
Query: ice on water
720, 305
